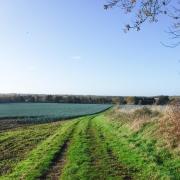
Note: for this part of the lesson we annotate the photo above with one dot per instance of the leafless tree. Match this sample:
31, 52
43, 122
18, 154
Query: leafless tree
149, 11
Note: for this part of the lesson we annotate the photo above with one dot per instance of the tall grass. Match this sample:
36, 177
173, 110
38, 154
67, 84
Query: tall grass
170, 125
166, 121
139, 151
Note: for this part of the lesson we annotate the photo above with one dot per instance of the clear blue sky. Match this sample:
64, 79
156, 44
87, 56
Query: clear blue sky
76, 47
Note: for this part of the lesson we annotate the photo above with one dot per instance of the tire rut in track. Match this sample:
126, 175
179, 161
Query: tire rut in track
93, 146
119, 169
112, 168
59, 161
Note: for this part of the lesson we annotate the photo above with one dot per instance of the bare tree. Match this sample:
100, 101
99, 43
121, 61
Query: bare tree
149, 11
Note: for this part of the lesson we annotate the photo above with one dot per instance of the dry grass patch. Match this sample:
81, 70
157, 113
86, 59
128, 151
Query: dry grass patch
135, 119
170, 125
140, 117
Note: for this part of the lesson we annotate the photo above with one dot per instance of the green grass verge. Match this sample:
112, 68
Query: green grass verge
137, 152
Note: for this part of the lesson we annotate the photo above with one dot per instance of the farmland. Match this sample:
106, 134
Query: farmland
46, 111
108, 145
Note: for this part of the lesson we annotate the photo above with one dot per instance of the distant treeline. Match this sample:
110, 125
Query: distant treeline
15, 98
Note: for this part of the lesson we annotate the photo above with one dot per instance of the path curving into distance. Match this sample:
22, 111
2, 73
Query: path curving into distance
76, 150
90, 147
94, 160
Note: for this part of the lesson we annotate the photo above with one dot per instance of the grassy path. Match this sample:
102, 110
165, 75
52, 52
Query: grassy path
78, 156
88, 148
104, 162
89, 157
59, 160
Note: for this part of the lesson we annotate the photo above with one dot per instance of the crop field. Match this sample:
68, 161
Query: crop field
46, 111
99, 146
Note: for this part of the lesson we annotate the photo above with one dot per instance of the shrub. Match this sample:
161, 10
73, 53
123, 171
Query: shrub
131, 100
162, 100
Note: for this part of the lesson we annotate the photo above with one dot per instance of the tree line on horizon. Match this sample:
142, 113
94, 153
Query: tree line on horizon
85, 99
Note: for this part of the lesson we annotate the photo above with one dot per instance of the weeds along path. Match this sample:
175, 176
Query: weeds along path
39, 159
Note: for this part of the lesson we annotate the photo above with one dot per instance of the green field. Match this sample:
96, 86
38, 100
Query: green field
101, 146
47, 111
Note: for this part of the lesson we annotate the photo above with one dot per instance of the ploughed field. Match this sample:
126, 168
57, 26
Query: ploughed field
99, 146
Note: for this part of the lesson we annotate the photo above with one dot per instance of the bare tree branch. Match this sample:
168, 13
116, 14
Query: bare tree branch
150, 10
